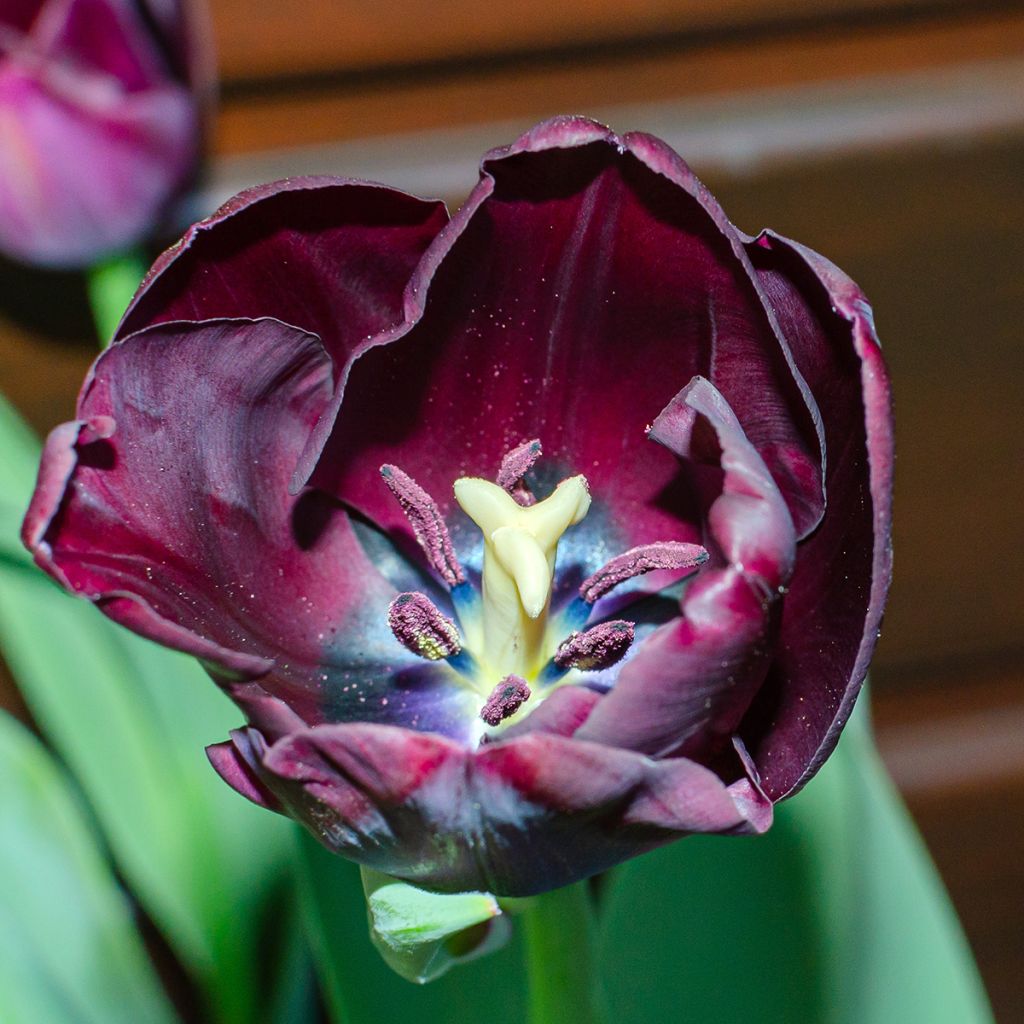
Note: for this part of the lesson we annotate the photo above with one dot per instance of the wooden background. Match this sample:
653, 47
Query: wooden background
888, 135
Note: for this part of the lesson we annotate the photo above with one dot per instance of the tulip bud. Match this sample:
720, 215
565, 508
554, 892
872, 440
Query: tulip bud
99, 125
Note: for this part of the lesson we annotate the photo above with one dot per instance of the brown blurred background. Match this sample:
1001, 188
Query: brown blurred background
889, 134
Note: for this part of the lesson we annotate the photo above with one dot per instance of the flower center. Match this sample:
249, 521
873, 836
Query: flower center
520, 544
509, 657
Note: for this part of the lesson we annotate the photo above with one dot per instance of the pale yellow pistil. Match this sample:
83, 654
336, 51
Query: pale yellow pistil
520, 544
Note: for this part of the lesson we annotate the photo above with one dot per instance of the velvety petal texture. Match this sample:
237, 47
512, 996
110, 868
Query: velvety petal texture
100, 122
328, 255
516, 817
220, 491
584, 282
174, 485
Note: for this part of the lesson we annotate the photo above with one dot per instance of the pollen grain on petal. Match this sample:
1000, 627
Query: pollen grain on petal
427, 523
636, 561
421, 627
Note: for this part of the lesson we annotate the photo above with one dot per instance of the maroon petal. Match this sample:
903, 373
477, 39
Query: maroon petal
378, 794
265, 712
169, 506
561, 714
515, 818
833, 611
583, 283
18, 15
692, 680
328, 255
237, 763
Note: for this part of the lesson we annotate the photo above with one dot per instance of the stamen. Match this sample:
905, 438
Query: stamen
419, 626
669, 554
427, 523
514, 466
599, 647
505, 700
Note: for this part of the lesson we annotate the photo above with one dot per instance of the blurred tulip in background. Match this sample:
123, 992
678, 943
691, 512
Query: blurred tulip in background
101, 105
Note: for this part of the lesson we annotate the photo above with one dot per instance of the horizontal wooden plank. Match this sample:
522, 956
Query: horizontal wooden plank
530, 90
289, 37
953, 731
735, 133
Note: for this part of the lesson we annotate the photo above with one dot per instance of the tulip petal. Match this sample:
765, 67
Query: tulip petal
585, 274
833, 611
691, 681
514, 818
19, 15
328, 255
235, 762
110, 36
561, 714
169, 507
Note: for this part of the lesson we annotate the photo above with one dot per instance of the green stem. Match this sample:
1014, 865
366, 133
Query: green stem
561, 958
111, 285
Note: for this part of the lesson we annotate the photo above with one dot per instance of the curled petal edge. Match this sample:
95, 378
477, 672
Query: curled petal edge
135, 318
849, 302
57, 466
424, 808
690, 683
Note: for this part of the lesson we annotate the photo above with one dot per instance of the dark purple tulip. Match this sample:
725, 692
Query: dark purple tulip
100, 109
262, 473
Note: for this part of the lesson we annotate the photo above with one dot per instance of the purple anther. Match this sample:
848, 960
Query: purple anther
427, 523
505, 700
514, 466
667, 554
599, 647
419, 626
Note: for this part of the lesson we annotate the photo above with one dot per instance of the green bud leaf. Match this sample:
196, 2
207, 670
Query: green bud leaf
421, 934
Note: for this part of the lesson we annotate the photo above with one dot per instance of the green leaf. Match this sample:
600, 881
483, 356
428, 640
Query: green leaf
422, 934
111, 285
836, 916
19, 460
69, 952
131, 720
362, 989
293, 996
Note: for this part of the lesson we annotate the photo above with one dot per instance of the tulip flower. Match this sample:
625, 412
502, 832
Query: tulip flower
99, 124
526, 541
